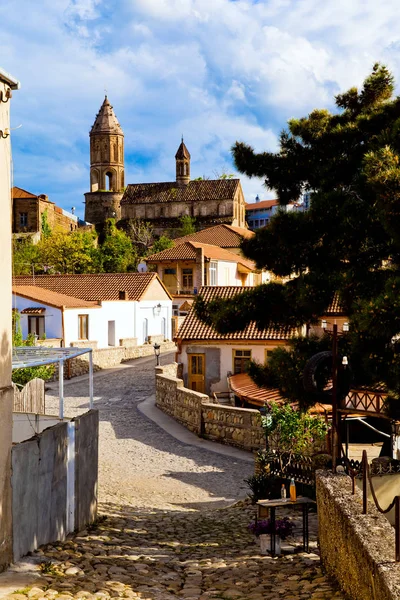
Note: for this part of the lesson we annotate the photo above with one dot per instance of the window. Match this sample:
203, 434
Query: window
23, 219
241, 359
213, 272
175, 310
187, 278
170, 271
36, 326
83, 327
256, 223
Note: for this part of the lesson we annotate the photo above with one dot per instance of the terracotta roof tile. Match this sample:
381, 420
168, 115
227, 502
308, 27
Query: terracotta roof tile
18, 192
263, 204
336, 306
33, 310
33, 292
225, 236
95, 287
208, 189
244, 387
194, 329
187, 251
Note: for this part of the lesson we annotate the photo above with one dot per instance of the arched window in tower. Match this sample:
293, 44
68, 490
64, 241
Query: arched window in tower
94, 180
185, 169
122, 179
109, 181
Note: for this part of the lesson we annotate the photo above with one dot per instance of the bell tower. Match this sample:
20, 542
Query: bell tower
182, 159
107, 178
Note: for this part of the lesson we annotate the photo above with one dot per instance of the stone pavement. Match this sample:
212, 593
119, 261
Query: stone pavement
151, 554
167, 527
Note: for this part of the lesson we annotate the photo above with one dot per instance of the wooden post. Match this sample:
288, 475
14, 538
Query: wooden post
335, 427
397, 527
364, 476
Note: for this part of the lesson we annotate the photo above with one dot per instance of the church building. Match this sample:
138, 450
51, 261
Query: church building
209, 202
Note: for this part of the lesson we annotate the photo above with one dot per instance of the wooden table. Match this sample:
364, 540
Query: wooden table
264, 505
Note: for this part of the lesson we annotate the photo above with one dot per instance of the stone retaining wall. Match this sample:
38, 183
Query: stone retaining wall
107, 358
357, 550
238, 427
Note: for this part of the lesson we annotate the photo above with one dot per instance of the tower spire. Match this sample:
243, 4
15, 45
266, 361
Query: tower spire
182, 160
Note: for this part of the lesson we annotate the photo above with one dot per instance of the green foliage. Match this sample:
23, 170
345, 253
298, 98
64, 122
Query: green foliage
45, 227
25, 255
117, 254
22, 376
74, 252
294, 432
187, 226
162, 243
347, 242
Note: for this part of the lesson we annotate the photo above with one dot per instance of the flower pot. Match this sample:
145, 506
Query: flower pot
266, 543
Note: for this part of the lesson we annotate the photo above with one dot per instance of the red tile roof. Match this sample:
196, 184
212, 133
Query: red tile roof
263, 204
336, 307
94, 286
194, 329
187, 251
51, 298
18, 192
169, 191
225, 236
244, 387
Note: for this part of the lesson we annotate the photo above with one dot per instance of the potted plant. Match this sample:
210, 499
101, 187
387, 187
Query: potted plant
262, 529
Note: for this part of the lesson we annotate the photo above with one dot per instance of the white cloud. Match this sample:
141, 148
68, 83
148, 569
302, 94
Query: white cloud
215, 70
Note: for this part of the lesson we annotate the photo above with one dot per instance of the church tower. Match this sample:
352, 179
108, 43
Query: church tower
106, 167
182, 159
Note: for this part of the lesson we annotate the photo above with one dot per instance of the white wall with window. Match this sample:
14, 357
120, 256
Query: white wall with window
233, 357
50, 325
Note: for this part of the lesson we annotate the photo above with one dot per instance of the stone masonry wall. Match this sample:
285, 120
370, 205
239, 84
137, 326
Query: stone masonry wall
357, 550
107, 358
238, 427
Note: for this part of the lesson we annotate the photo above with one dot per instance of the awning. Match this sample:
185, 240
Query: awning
244, 387
33, 311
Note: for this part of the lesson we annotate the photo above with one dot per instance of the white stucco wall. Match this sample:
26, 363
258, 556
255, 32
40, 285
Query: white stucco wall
227, 273
128, 316
52, 317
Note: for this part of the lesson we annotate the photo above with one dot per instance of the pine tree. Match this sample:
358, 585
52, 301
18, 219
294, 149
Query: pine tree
347, 242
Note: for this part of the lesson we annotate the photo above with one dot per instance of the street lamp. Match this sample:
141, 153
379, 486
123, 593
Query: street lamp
335, 412
157, 310
157, 350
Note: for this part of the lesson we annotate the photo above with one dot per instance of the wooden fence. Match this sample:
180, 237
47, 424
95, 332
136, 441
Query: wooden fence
31, 398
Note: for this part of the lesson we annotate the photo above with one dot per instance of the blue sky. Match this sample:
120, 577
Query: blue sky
214, 70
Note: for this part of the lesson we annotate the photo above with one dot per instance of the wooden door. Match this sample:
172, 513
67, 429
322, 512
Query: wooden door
197, 372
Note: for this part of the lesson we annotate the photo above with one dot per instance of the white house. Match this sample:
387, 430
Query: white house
208, 357
99, 310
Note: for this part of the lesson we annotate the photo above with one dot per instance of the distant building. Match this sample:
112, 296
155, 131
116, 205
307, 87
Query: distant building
259, 212
210, 202
28, 210
224, 236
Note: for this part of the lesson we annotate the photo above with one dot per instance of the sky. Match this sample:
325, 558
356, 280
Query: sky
215, 71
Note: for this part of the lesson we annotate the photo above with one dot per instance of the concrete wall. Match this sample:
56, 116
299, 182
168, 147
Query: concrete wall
357, 550
39, 483
219, 359
238, 427
6, 391
87, 462
54, 474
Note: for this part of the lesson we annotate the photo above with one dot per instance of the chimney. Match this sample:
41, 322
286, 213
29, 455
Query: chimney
123, 295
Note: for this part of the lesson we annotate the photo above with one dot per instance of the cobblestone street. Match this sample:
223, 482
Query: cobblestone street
169, 526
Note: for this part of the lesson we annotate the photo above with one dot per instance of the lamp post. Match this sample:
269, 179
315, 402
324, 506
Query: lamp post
157, 350
335, 412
